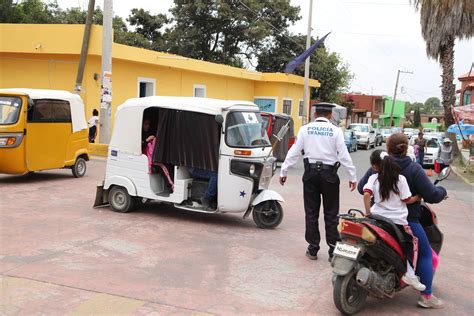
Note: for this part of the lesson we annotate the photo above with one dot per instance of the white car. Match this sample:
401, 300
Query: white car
433, 143
365, 135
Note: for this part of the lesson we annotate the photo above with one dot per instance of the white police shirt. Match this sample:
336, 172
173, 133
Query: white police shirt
321, 141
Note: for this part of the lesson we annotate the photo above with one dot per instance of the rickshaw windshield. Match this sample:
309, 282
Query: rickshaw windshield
245, 130
9, 110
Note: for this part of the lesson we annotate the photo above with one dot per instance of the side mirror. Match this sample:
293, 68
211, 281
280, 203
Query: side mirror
219, 119
443, 174
282, 132
372, 132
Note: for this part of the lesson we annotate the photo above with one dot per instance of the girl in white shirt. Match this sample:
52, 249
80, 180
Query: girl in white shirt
391, 194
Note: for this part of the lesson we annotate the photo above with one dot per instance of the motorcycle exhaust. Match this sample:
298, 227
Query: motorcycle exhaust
376, 284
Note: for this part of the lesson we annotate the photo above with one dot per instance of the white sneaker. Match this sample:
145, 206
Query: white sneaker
432, 302
413, 281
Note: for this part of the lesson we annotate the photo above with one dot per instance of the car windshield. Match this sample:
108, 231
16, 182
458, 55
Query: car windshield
245, 129
347, 134
385, 131
432, 143
359, 128
9, 110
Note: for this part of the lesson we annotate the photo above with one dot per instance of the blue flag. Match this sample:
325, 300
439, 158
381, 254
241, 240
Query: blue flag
301, 58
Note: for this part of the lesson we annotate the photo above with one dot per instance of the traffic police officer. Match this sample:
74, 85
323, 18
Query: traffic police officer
324, 150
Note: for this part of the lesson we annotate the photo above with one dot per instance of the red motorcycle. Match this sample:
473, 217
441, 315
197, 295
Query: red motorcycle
369, 259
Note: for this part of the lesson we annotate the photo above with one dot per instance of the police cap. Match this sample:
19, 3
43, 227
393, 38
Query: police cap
324, 106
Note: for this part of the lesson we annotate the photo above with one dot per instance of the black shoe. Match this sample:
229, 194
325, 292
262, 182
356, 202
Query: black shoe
312, 254
330, 258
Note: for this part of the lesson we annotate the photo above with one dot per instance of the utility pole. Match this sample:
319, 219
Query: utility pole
395, 94
106, 78
85, 47
306, 66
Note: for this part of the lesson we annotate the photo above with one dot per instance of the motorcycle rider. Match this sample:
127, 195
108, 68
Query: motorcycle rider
391, 195
419, 184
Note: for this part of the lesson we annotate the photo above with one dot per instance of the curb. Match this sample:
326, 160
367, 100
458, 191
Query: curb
460, 174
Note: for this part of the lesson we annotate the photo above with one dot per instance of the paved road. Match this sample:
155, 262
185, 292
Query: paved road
59, 255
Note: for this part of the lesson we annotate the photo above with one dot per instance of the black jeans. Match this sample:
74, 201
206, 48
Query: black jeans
323, 184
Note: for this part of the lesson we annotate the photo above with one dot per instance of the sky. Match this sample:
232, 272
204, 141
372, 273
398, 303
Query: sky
375, 37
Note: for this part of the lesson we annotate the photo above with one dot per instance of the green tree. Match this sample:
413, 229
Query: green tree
432, 106
442, 21
226, 31
149, 27
333, 74
40, 12
28, 11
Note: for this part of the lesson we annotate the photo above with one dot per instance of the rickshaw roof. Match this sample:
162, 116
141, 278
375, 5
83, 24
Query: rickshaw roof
42, 93
78, 118
193, 104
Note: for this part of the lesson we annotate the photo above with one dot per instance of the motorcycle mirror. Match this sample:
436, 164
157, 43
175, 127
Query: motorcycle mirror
443, 174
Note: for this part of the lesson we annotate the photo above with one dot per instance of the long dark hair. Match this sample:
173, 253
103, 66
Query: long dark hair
388, 172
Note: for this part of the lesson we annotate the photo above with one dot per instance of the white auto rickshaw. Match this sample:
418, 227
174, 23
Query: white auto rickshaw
224, 137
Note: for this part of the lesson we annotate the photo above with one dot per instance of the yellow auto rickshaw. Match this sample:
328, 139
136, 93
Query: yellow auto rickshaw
42, 129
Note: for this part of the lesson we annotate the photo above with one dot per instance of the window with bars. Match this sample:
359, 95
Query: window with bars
287, 107
300, 108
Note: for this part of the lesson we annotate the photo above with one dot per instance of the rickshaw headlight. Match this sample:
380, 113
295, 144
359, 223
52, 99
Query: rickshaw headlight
10, 140
252, 169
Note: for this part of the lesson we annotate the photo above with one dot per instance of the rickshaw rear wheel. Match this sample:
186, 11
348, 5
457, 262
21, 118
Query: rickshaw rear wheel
120, 201
268, 214
79, 168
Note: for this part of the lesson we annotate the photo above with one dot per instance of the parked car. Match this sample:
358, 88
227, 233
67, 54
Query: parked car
433, 142
409, 132
378, 137
365, 134
351, 140
386, 132
395, 130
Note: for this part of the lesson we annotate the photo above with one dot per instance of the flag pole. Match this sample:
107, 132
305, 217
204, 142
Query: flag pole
306, 66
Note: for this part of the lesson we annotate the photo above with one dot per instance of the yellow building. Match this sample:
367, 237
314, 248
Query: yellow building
47, 56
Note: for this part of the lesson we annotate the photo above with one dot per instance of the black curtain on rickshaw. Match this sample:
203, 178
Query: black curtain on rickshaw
187, 139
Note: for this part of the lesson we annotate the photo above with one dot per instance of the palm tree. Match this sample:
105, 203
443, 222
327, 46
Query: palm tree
442, 21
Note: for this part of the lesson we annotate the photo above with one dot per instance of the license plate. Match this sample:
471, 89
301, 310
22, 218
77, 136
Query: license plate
347, 251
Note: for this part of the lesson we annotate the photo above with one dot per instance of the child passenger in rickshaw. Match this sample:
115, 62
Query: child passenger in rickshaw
147, 134
148, 144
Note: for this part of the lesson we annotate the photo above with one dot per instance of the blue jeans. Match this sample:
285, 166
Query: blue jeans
211, 191
424, 266
421, 156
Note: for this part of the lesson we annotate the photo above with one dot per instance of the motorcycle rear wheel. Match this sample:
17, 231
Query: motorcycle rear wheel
348, 296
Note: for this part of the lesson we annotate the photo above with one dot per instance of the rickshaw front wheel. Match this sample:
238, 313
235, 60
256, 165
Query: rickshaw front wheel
268, 214
120, 201
79, 168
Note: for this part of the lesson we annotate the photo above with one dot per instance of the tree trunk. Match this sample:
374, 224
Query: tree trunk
448, 87
446, 58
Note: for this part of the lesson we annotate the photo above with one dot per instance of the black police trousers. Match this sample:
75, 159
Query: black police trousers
325, 184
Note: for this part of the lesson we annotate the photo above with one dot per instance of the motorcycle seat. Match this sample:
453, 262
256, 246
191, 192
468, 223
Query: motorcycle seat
389, 227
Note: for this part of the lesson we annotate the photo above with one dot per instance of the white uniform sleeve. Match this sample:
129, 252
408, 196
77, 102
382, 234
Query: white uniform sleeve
344, 157
370, 185
403, 188
293, 154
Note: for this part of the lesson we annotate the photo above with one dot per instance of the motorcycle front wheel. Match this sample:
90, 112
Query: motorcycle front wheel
348, 296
